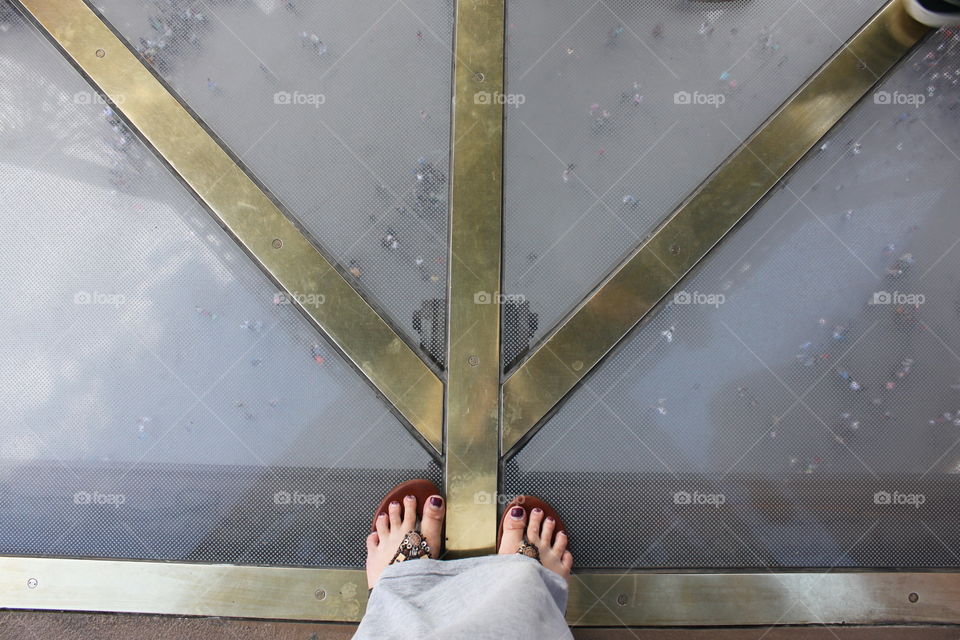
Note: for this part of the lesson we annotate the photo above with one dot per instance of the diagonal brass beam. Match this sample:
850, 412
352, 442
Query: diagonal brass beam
250, 216
690, 232
473, 363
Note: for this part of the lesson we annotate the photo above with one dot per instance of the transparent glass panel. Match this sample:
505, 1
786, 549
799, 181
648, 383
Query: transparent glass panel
157, 402
342, 109
618, 110
795, 402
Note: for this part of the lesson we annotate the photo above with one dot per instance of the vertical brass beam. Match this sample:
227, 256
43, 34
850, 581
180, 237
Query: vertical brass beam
473, 369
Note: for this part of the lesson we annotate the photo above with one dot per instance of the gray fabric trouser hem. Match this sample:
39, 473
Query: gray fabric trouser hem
493, 597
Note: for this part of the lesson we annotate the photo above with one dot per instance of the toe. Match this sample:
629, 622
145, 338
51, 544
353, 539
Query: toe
383, 525
535, 526
567, 561
432, 524
394, 511
372, 541
546, 532
560, 544
409, 513
513, 528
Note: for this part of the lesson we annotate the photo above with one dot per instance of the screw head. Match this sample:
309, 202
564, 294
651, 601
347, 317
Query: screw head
100, 53
913, 597
576, 365
473, 361
622, 599
320, 594
674, 249
277, 243
32, 583
479, 77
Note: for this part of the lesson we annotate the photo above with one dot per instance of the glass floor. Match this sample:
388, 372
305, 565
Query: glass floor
793, 403
160, 400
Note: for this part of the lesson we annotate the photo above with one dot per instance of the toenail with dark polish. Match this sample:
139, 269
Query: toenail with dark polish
408, 498
437, 502
516, 512
395, 503
382, 515
538, 510
550, 518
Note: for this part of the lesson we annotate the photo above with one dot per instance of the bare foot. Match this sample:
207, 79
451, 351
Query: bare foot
382, 544
553, 549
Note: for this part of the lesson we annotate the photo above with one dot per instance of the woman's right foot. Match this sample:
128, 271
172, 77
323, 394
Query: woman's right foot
539, 532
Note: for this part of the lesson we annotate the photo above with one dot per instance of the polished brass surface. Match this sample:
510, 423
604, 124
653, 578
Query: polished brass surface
247, 213
596, 599
473, 369
182, 589
637, 284
730, 599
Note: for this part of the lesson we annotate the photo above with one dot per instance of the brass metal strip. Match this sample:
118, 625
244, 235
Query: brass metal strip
596, 599
473, 363
730, 599
637, 284
182, 589
250, 216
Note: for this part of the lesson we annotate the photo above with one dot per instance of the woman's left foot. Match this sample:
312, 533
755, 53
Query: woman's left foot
393, 526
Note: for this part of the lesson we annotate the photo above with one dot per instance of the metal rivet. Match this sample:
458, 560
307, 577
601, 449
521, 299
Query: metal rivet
320, 594
622, 599
473, 361
32, 583
277, 243
674, 249
101, 53
479, 77
913, 597
576, 365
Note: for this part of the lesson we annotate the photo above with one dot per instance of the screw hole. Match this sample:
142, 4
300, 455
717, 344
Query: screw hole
320, 594
100, 53
277, 243
913, 597
622, 599
32, 583
479, 77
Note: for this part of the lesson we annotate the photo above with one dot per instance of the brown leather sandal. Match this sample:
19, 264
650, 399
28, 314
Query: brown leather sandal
529, 503
414, 544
